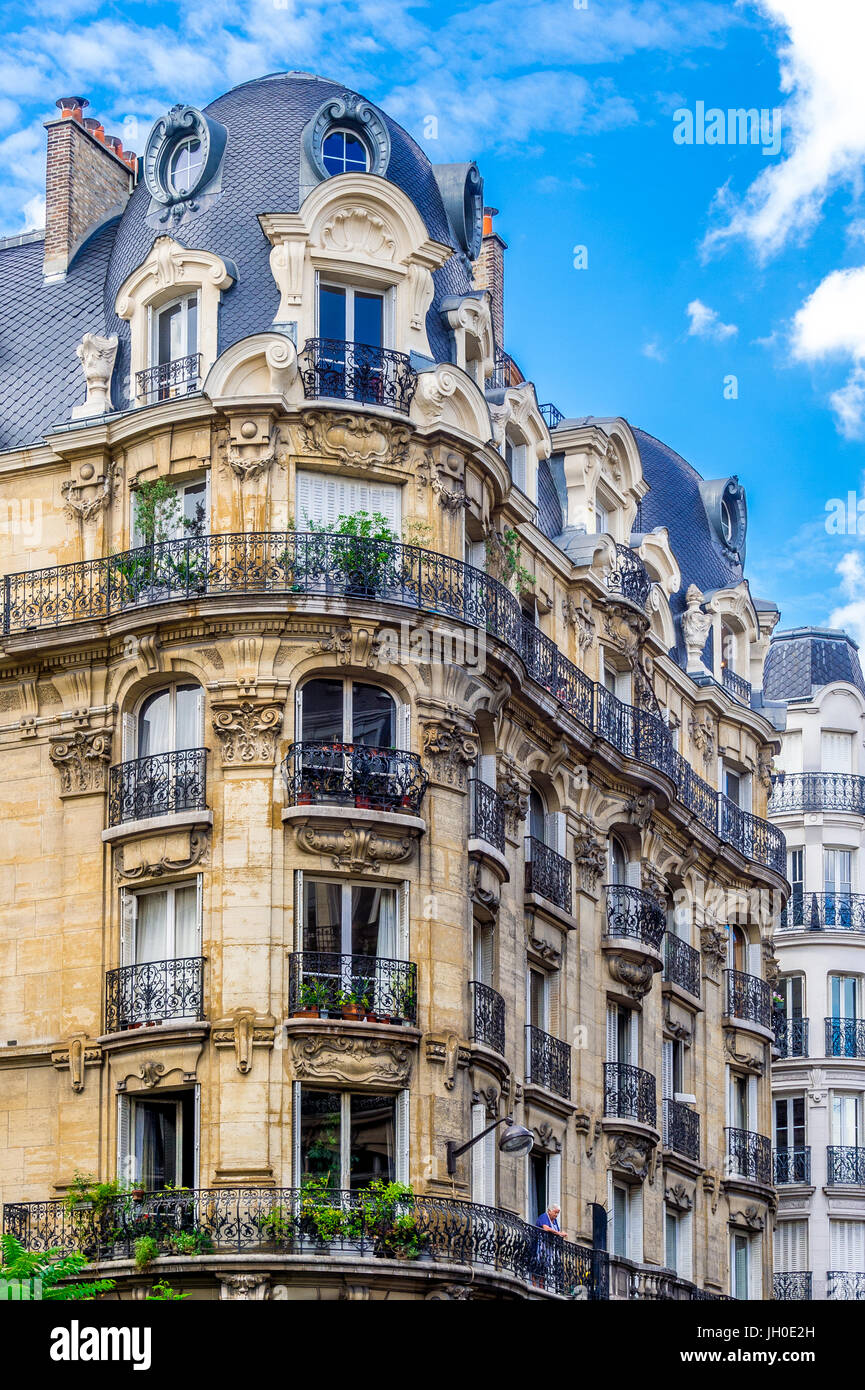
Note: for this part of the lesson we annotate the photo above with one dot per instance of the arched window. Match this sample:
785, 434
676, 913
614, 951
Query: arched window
618, 861
168, 721
738, 949
347, 711
537, 816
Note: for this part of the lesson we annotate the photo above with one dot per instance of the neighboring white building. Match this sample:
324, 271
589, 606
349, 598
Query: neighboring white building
818, 1078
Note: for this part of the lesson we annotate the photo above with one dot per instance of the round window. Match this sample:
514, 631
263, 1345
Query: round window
726, 523
185, 166
343, 152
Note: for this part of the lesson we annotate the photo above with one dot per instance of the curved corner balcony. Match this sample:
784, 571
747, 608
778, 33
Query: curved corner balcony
818, 791
748, 999
488, 1016
630, 1094
292, 565
824, 912
634, 916
352, 774
682, 965
736, 686
323, 984
331, 368
157, 991
749, 1155
163, 784
629, 579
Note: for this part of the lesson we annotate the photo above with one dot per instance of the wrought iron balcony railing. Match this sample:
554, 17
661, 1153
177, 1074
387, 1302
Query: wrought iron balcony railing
845, 1164
791, 1036
748, 998
330, 367
634, 913
154, 992
488, 1016
168, 379
792, 1165
506, 373
552, 416
352, 774
736, 686
160, 785
845, 1037
487, 814
324, 983
792, 1287
629, 578
682, 964
818, 791
749, 1155
630, 1093
824, 911
548, 873
548, 1062
297, 564
845, 1284
290, 1220
682, 1129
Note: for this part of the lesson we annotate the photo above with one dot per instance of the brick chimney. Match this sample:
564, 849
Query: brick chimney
488, 273
88, 180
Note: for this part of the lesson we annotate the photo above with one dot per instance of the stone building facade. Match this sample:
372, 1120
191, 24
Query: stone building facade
318, 851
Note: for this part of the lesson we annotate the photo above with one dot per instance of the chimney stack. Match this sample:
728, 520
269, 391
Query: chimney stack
89, 178
488, 273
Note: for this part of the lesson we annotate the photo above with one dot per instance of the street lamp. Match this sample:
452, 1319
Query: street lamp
516, 1139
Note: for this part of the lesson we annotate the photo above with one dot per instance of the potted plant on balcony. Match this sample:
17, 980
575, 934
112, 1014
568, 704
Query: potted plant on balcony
360, 551
404, 999
351, 1004
314, 996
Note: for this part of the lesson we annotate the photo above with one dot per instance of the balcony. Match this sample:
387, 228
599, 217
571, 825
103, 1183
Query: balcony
824, 911
635, 915
845, 1037
352, 774
749, 1155
487, 814
748, 998
736, 686
682, 965
792, 1287
845, 1285
283, 1221
548, 1062
168, 379
634, 732
818, 791
157, 991
791, 1036
488, 1017
630, 1093
629, 579
548, 874
160, 785
551, 415
323, 984
505, 374
845, 1165
682, 1129
792, 1165
332, 368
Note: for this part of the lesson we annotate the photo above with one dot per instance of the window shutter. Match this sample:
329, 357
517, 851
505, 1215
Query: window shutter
199, 912
402, 920
196, 1170
847, 1245
611, 1212
755, 962
489, 1155
402, 1137
554, 830
296, 1171
486, 956
554, 1180
612, 1033
129, 729
686, 1245
635, 1214
791, 1246
125, 1154
297, 936
322, 499
478, 1121
128, 917
199, 719
404, 728
667, 1070
751, 1116
755, 1267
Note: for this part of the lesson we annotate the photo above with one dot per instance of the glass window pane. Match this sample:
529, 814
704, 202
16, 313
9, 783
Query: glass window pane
368, 318
191, 344
355, 153
155, 1143
151, 933
168, 334
373, 1135
322, 712
537, 817
154, 727
187, 731
331, 313
372, 716
322, 930
373, 922
319, 1135
620, 1221
186, 921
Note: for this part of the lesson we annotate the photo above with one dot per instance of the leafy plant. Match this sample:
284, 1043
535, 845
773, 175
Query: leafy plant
146, 1250
504, 552
157, 511
195, 1242
315, 994
362, 547
164, 1293
276, 1225
84, 1189
56, 1270
417, 532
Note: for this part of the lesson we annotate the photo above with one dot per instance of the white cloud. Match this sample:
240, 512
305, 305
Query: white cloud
851, 615
830, 323
34, 213
654, 351
704, 322
823, 123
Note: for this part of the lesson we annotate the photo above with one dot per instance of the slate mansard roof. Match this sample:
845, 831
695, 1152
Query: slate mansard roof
802, 660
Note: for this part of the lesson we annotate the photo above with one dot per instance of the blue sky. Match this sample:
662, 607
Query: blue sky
704, 262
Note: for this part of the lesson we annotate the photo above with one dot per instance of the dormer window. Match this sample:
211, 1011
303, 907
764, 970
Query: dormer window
343, 152
184, 170
174, 358
726, 523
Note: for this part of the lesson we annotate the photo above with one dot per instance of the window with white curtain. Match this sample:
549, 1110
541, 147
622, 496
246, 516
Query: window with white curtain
349, 1138
352, 919
168, 721
161, 923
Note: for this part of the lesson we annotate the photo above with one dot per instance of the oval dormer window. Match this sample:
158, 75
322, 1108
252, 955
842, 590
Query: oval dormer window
726, 523
185, 166
343, 152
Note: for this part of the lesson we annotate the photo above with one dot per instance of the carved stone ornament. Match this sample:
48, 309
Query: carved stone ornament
675, 1028
577, 613
247, 732
75, 1055
359, 440
80, 504
752, 1217
712, 1186
244, 1287
255, 461
433, 389
513, 790
746, 1060
654, 883
448, 1050
446, 479
640, 809
352, 1061
679, 1197
337, 643
81, 760
244, 1031
484, 890
150, 1072
590, 858
489, 1099
356, 848
449, 751
635, 977
96, 356
626, 630
198, 846
449, 1293
547, 1139
630, 1153
588, 1123
771, 963
713, 944
695, 627
702, 733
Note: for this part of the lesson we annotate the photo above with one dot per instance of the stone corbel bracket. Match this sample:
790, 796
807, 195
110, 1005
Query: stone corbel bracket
360, 849
588, 1123
244, 1030
75, 1055
82, 760
247, 732
449, 1051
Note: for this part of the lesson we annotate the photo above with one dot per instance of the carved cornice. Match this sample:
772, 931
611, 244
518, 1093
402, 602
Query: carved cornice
448, 751
81, 759
356, 848
366, 1062
636, 978
359, 440
198, 848
247, 732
